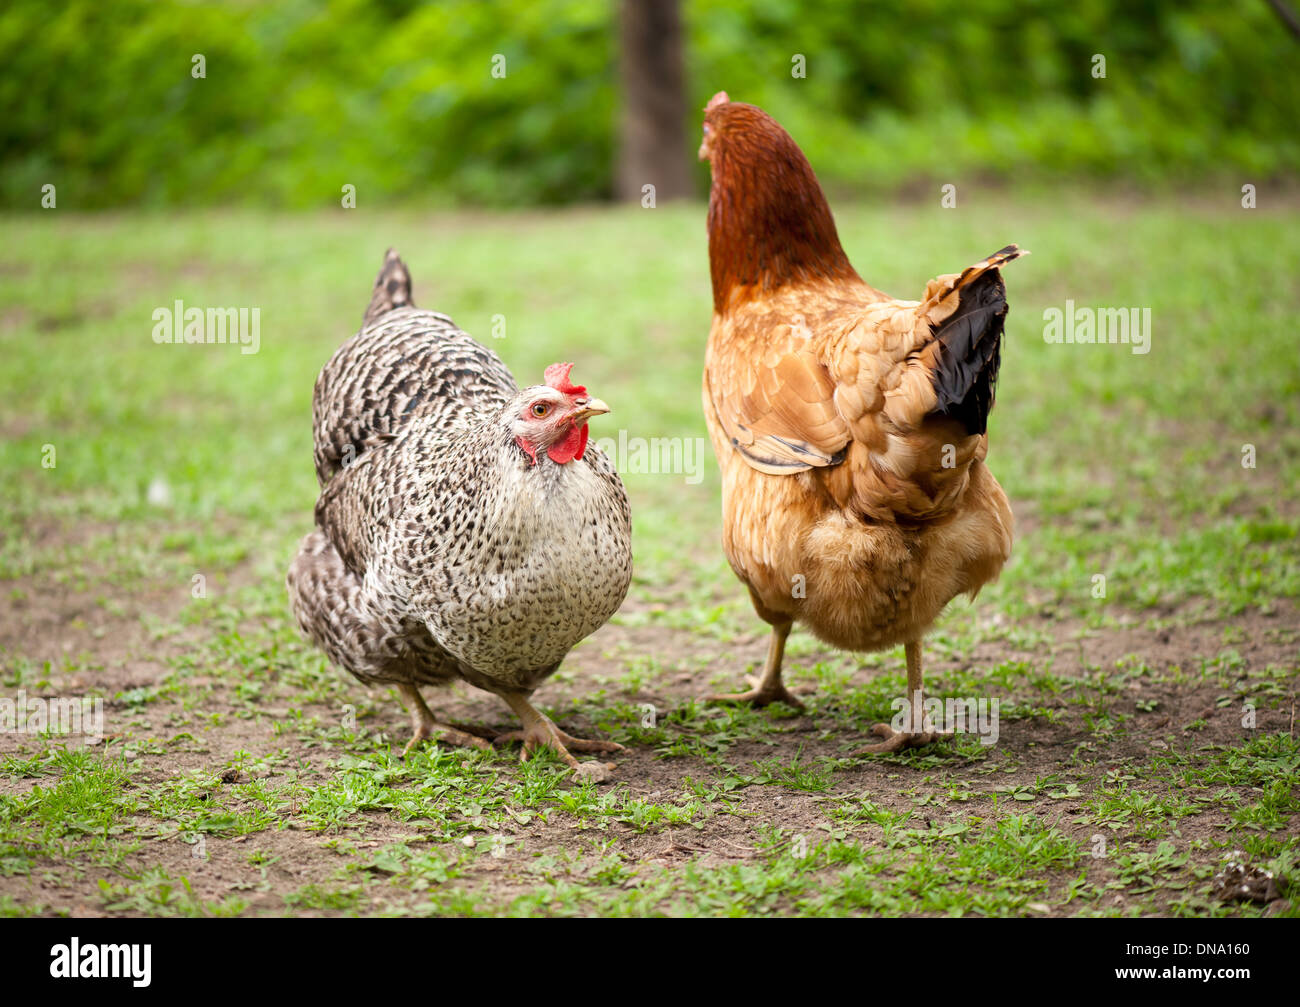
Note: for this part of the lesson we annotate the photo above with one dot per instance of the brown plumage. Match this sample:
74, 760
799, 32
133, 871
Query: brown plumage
465, 528
850, 427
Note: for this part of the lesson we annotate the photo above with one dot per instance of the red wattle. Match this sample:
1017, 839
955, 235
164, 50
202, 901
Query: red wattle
528, 447
573, 445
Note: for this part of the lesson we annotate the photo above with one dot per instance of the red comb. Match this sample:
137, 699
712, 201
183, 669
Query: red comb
718, 99
557, 376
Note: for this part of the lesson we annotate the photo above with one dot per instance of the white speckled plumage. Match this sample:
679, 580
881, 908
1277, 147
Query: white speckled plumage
442, 547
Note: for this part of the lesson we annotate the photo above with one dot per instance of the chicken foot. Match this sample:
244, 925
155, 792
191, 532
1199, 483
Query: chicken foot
768, 689
539, 731
896, 741
424, 726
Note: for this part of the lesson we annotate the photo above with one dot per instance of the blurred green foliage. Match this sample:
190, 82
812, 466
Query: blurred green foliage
397, 98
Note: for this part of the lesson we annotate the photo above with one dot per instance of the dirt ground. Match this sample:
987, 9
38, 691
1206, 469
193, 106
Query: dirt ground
52, 622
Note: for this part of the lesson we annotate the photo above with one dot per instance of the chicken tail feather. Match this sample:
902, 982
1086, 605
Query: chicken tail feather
392, 288
970, 339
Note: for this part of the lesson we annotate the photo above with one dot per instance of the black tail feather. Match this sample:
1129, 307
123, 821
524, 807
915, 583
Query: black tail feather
392, 288
971, 338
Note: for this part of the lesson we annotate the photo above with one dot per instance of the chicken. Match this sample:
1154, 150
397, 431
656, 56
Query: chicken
465, 529
850, 427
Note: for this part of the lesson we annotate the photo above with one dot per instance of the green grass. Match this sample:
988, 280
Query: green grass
228, 730
1129, 466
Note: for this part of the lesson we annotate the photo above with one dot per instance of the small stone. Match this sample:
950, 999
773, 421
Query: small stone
593, 772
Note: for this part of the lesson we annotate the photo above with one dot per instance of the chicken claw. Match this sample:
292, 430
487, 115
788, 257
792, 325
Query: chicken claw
550, 736
768, 689
759, 695
423, 726
449, 736
896, 741
539, 731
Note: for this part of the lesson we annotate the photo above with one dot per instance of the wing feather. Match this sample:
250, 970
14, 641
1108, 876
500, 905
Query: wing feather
906, 380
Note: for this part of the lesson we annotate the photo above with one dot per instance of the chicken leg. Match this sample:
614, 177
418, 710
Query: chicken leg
768, 689
423, 725
539, 731
896, 741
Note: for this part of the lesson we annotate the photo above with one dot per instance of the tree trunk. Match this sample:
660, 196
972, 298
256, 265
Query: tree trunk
654, 150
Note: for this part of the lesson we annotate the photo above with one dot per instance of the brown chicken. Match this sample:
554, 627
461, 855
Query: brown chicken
850, 427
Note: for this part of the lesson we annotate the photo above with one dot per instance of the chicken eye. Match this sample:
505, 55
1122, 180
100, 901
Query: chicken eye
540, 409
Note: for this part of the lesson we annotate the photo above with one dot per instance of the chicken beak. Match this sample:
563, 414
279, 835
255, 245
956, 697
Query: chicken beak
594, 407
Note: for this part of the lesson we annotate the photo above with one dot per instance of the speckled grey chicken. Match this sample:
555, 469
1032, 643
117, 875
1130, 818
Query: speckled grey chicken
465, 529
